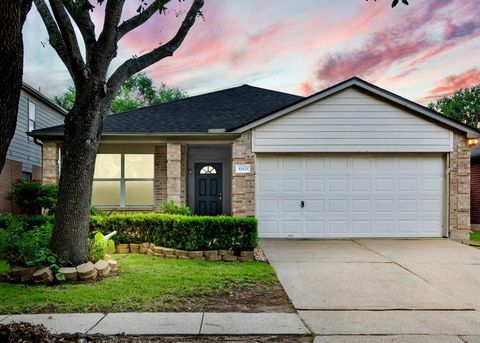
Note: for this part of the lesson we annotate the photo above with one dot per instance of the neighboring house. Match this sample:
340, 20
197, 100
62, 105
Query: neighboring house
475, 188
353, 160
24, 156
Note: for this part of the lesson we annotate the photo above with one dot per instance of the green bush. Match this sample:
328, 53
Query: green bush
18, 245
32, 196
170, 207
27, 222
180, 232
173, 231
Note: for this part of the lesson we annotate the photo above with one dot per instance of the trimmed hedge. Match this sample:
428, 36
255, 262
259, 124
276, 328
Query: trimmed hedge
180, 232
172, 231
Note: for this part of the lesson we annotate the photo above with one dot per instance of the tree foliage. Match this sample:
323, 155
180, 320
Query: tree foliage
463, 106
138, 91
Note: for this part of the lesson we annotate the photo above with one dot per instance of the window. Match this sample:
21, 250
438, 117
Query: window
123, 180
26, 176
31, 116
208, 170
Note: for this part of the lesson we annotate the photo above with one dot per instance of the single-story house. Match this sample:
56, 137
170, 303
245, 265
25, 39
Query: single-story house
353, 160
24, 156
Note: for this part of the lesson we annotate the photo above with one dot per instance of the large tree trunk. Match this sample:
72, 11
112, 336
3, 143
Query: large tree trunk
82, 132
12, 17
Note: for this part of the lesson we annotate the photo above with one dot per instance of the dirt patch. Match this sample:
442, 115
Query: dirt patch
245, 299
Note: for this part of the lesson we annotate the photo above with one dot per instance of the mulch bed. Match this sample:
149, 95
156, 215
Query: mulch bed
29, 333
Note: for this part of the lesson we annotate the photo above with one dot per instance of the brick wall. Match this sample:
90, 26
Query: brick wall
160, 175
475, 192
11, 171
243, 185
459, 190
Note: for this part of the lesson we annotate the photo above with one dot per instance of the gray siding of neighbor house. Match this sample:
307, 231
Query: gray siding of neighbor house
23, 148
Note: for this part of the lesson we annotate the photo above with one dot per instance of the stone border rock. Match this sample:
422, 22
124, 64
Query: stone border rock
83, 272
201, 255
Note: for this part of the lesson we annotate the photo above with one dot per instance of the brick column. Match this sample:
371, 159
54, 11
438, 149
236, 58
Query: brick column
183, 175
174, 172
50, 163
243, 185
459, 190
160, 175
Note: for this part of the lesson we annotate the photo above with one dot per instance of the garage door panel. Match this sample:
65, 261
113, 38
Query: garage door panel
351, 196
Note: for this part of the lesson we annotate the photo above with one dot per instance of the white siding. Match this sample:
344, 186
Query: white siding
351, 121
22, 148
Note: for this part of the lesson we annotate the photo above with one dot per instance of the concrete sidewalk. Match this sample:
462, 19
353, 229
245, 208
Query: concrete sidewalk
167, 323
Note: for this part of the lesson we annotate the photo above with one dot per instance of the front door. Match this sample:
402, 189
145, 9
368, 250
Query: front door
208, 189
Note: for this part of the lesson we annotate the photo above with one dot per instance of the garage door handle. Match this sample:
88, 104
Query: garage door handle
302, 204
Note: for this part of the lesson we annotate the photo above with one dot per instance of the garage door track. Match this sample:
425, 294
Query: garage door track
381, 286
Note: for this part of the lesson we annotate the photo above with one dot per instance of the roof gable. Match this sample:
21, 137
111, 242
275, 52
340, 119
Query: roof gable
373, 90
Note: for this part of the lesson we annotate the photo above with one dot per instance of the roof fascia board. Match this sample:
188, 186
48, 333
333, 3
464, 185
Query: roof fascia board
43, 98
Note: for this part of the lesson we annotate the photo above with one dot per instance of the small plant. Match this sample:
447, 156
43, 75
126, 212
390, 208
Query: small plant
33, 196
100, 245
170, 207
46, 258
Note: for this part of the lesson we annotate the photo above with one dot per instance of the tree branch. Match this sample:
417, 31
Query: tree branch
69, 38
140, 18
107, 41
54, 35
134, 65
79, 13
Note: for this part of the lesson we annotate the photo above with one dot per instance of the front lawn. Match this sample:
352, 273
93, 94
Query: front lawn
146, 283
475, 236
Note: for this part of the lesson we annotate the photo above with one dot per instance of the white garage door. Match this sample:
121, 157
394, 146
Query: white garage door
350, 195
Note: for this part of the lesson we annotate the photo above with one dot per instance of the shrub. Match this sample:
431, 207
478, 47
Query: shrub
32, 196
170, 207
18, 245
180, 232
27, 222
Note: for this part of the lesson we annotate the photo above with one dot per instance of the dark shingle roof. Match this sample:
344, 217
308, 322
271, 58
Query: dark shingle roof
225, 109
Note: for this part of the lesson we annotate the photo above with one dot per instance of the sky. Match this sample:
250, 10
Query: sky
422, 51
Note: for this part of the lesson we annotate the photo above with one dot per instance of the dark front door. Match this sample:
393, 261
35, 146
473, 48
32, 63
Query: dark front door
208, 189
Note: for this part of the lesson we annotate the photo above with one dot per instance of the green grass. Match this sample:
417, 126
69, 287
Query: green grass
144, 283
475, 236
4, 266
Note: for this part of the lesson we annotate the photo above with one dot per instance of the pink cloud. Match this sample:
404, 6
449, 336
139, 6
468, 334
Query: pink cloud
410, 39
306, 88
448, 85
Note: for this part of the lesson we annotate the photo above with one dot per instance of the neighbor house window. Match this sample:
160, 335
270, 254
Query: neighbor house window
123, 180
31, 116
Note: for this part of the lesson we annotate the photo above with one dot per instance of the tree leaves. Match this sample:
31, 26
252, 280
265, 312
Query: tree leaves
463, 106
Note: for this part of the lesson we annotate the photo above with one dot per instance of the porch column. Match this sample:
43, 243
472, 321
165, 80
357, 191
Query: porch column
243, 185
459, 190
50, 163
174, 172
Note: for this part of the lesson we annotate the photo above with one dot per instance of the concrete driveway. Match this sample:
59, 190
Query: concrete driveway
381, 286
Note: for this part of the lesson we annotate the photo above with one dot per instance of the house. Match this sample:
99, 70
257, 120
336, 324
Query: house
353, 160
24, 156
